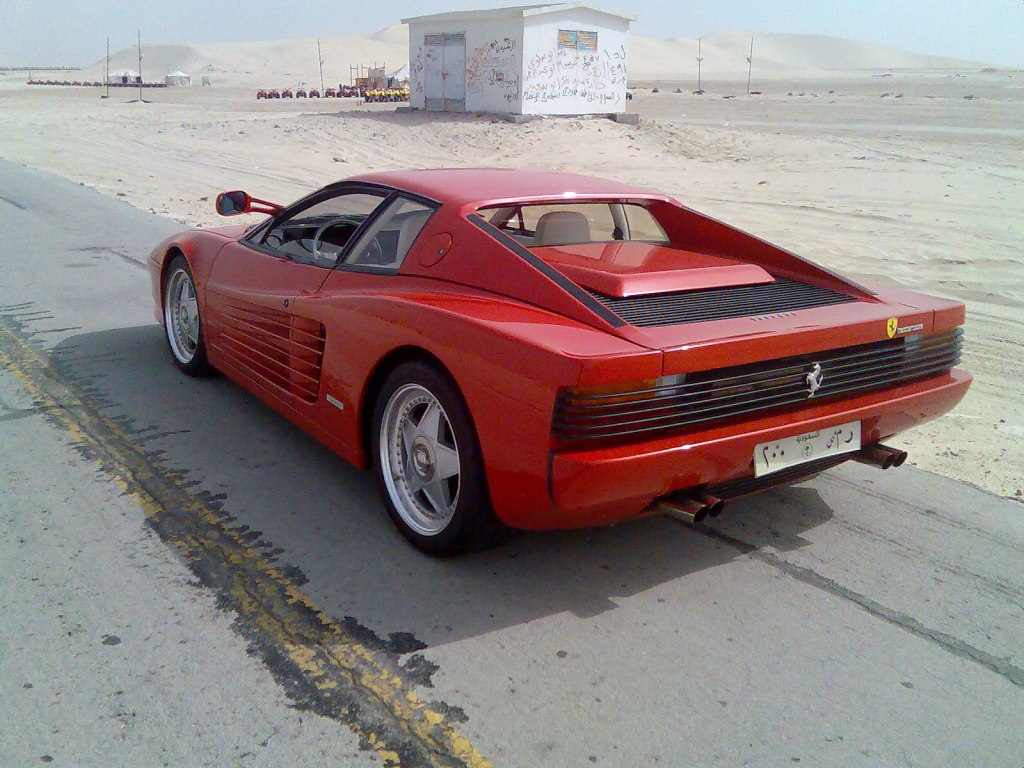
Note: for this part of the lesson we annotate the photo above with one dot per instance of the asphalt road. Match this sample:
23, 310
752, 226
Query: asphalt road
189, 580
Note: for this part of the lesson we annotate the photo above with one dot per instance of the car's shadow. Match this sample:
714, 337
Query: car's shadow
329, 522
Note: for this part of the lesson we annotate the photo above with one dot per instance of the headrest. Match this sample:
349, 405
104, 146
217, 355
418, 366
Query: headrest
562, 228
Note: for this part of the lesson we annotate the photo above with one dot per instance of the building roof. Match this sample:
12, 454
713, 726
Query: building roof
515, 11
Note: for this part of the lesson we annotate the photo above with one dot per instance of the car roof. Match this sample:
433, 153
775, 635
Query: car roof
480, 186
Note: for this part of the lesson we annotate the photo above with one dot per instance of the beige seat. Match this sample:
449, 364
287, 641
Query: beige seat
562, 228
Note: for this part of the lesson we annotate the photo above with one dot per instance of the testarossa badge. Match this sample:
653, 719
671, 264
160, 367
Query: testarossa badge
892, 327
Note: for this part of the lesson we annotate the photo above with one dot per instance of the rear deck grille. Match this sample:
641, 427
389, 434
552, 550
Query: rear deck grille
743, 390
721, 303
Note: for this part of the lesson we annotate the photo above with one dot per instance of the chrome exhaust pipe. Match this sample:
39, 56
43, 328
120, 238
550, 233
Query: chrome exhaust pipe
898, 456
714, 504
881, 456
688, 510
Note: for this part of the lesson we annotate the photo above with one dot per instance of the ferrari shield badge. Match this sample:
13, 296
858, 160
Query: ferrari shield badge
890, 326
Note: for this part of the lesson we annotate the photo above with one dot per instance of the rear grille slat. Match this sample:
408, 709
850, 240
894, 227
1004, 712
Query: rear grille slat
682, 307
684, 417
709, 396
944, 362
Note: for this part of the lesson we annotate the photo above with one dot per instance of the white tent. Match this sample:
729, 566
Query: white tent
177, 78
127, 76
400, 75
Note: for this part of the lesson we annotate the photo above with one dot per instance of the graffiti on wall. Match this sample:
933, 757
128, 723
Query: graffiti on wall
416, 70
595, 77
492, 66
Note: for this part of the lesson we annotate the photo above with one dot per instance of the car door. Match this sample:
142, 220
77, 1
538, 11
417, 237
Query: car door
256, 327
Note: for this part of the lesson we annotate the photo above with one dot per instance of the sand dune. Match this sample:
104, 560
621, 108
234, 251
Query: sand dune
725, 53
270, 63
280, 63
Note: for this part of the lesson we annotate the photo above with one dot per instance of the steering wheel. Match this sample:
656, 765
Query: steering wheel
350, 228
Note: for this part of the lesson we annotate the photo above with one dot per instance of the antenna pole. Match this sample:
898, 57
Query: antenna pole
750, 64
321, 59
106, 76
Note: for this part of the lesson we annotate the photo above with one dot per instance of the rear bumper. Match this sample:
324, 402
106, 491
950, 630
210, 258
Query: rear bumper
601, 485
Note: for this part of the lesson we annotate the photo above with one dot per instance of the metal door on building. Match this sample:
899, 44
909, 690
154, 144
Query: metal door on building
444, 72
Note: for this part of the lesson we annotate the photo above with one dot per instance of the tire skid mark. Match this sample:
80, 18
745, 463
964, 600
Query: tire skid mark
954, 645
121, 253
21, 413
324, 665
15, 203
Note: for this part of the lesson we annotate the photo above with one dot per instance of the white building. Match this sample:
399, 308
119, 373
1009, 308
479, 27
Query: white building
565, 59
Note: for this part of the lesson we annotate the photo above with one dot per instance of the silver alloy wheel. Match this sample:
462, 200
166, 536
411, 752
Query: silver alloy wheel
419, 459
181, 316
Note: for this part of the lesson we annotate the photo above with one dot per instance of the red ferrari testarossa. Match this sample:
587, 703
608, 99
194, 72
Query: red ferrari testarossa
516, 349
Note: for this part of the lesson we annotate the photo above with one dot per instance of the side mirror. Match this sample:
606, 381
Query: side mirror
233, 203
237, 202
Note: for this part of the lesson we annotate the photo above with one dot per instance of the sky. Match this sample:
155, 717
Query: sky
54, 33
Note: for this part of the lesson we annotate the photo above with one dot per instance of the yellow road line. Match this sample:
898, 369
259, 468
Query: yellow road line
317, 659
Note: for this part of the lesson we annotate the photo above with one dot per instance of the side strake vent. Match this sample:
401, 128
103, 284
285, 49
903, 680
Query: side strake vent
281, 350
659, 309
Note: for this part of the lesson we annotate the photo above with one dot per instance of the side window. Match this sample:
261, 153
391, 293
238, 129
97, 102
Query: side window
318, 234
384, 245
643, 225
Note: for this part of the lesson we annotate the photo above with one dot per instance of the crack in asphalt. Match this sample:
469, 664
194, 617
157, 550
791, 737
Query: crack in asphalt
949, 643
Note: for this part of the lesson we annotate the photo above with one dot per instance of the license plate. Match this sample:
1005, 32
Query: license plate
800, 449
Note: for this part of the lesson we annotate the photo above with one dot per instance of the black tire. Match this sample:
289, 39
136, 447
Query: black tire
469, 522
187, 353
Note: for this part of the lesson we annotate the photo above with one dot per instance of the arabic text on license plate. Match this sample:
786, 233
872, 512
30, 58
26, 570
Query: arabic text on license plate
800, 449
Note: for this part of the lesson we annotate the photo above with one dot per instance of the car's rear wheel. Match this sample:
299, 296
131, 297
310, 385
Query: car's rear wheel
428, 463
182, 325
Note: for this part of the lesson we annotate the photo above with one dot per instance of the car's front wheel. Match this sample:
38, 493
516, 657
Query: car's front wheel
182, 325
428, 463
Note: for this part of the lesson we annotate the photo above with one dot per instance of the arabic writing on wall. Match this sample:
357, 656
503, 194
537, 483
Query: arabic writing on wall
595, 77
493, 66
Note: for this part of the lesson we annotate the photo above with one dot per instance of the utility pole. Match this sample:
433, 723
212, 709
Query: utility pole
140, 64
321, 58
750, 64
106, 76
140, 69
699, 60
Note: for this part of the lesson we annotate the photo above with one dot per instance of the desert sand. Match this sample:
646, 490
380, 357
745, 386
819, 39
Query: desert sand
885, 166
